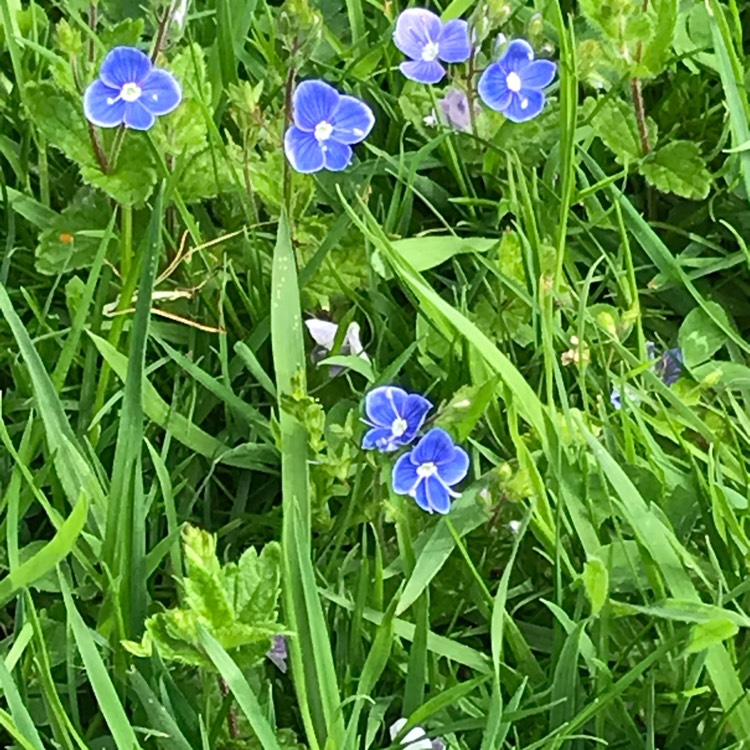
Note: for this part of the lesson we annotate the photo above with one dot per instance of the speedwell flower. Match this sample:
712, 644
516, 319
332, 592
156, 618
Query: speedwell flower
277, 654
424, 38
456, 109
513, 85
428, 472
415, 739
395, 417
130, 91
324, 334
669, 366
326, 125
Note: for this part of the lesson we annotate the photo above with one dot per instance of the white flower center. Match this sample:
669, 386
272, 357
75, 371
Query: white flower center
513, 81
426, 470
430, 51
130, 92
323, 130
399, 427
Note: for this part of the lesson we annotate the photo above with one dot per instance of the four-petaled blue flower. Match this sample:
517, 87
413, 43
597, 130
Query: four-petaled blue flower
428, 472
513, 85
395, 417
130, 91
423, 37
326, 125
669, 366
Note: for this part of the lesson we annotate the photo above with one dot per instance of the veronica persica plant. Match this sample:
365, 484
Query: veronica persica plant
429, 471
326, 125
395, 417
130, 91
514, 84
427, 41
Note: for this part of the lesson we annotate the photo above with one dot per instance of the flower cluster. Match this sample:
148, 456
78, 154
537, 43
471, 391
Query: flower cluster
513, 85
428, 472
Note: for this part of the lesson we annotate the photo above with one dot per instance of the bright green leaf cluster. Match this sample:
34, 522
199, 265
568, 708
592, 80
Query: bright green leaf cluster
237, 603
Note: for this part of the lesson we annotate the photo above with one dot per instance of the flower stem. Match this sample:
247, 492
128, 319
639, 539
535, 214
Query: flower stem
232, 725
161, 33
288, 89
640, 114
98, 150
116, 147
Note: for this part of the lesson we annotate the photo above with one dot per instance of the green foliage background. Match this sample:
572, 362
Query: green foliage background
179, 483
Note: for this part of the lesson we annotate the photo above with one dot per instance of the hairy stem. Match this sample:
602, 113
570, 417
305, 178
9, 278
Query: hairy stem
232, 725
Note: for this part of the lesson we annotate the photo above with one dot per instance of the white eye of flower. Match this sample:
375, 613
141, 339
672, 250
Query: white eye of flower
399, 427
427, 469
524, 103
430, 51
513, 81
323, 130
130, 92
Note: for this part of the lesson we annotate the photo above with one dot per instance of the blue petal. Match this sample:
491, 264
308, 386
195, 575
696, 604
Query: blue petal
415, 411
420, 495
493, 87
380, 438
313, 102
404, 476
384, 405
518, 55
524, 105
102, 106
160, 93
352, 121
137, 116
422, 71
337, 155
303, 150
615, 398
414, 29
455, 469
435, 447
538, 74
125, 65
454, 45
437, 495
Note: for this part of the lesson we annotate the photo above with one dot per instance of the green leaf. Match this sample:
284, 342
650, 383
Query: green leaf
678, 168
657, 51
730, 375
427, 252
596, 581
72, 240
706, 634
621, 21
699, 336
132, 180
60, 118
616, 125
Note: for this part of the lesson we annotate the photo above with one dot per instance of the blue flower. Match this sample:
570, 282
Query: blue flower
395, 417
326, 124
428, 472
130, 91
513, 85
669, 366
423, 37
278, 652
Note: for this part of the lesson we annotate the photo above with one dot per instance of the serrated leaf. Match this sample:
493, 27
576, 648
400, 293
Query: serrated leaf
596, 582
621, 21
700, 337
707, 634
72, 241
132, 180
60, 119
678, 168
659, 48
616, 125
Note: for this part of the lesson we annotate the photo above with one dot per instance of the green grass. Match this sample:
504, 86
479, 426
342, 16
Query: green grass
589, 587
